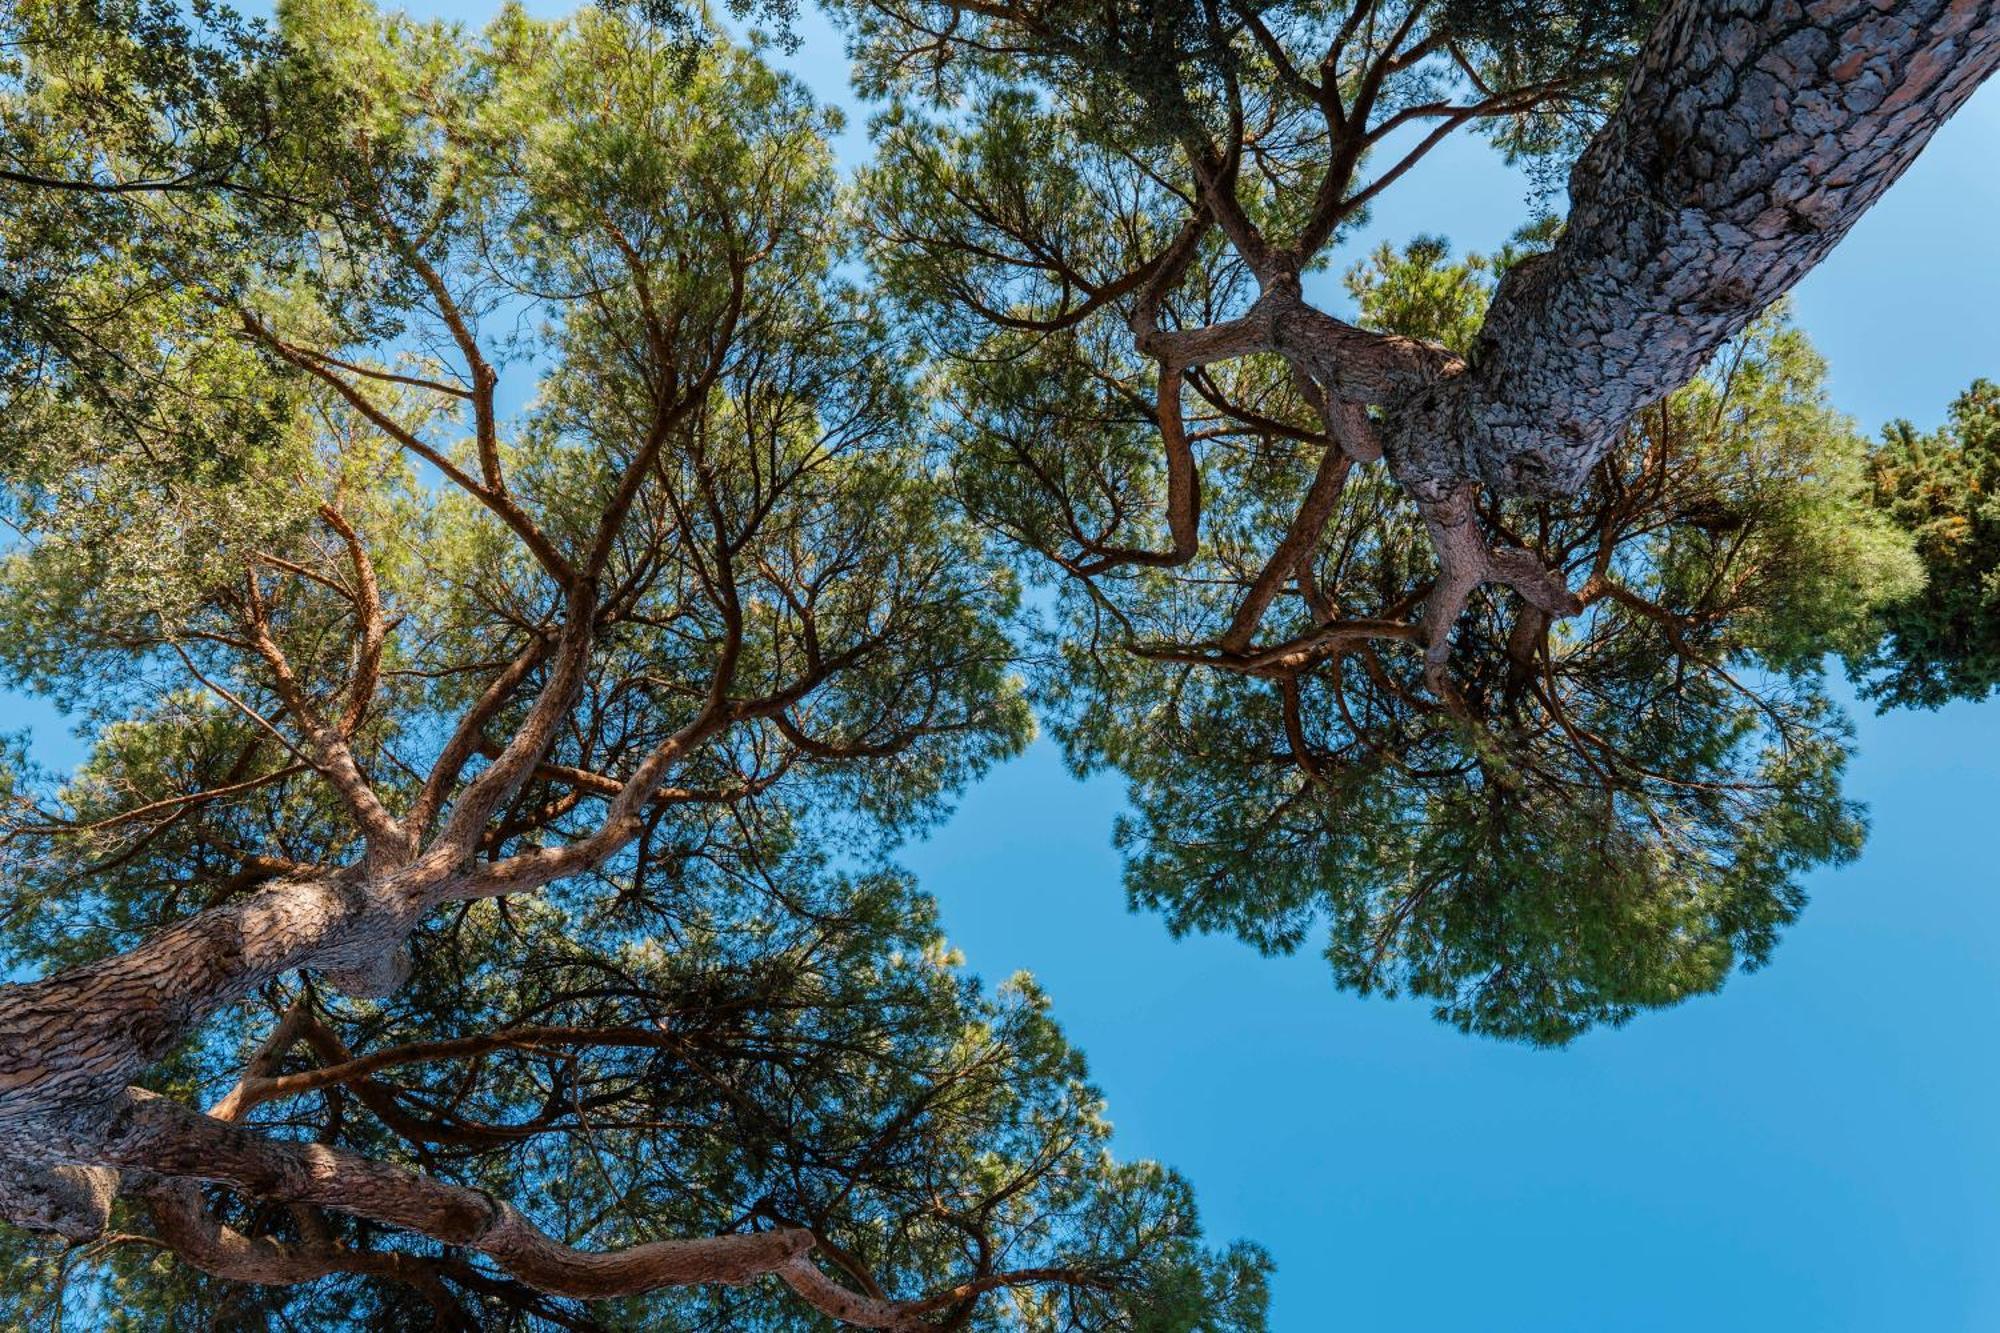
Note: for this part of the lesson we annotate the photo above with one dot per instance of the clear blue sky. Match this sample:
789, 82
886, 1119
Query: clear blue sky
1813, 1149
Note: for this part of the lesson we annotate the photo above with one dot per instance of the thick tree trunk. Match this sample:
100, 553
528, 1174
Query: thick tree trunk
1752, 135
72, 1201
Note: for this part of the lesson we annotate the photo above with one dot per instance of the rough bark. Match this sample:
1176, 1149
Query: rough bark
161, 1138
1752, 135
74, 1040
72, 1201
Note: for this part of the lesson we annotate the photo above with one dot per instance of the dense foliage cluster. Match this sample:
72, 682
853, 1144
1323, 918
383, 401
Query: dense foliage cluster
1546, 762
1943, 488
1612, 812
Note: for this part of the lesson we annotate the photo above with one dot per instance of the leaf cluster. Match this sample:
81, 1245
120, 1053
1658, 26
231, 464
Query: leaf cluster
1943, 488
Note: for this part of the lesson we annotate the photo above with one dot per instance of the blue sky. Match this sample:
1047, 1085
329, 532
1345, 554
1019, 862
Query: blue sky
1812, 1149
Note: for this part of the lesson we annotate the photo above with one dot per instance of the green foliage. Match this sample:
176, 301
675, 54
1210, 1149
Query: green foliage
122, 94
1611, 821
1538, 826
1035, 161
1526, 42
1420, 289
685, 23
821, 1059
1943, 489
233, 411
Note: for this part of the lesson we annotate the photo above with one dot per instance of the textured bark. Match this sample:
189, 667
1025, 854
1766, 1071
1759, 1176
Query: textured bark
184, 1224
72, 1201
850, 1307
1752, 135
75, 1040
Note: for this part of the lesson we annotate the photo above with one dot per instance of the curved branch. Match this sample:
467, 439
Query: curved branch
153, 1134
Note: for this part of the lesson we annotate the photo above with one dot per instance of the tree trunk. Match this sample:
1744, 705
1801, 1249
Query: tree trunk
1753, 134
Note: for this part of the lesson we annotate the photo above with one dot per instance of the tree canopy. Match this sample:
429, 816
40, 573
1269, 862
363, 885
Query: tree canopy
504, 489
1942, 488
527, 539
1514, 690
1585, 816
